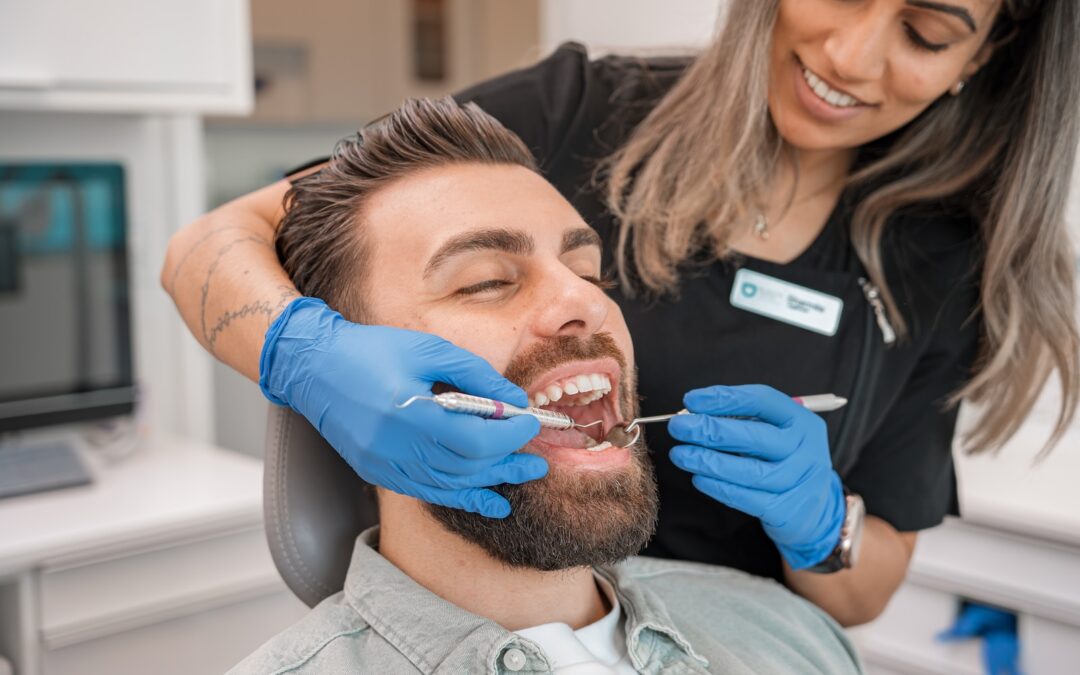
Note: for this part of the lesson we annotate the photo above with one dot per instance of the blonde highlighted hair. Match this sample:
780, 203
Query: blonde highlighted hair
692, 173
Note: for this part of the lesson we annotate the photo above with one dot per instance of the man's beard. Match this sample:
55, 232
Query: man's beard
570, 517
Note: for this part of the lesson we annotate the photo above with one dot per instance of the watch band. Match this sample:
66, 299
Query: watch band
846, 553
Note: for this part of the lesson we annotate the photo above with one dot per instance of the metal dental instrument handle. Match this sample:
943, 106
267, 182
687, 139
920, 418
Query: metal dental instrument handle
497, 410
628, 434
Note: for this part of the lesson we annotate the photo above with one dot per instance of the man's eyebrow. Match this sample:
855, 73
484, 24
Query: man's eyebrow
580, 238
510, 241
958, 12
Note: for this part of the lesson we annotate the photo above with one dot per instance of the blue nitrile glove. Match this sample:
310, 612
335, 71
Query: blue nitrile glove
346, 378
997, 628
775, 467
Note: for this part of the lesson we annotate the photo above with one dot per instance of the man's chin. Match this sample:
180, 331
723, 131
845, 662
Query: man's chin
578, 515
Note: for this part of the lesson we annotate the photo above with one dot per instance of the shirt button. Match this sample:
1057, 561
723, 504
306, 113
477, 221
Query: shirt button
514, 659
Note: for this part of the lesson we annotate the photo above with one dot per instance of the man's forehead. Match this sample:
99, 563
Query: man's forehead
474, 206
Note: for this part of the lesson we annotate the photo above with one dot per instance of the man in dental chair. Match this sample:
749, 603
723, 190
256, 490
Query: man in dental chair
436, 220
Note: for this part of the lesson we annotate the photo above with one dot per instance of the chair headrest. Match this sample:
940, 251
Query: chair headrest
314, 504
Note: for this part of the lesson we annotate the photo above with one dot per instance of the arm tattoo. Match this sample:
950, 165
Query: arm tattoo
222, 252
197, 244
267, 308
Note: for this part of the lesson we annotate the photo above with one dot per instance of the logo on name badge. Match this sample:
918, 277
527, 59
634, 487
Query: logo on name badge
786, 302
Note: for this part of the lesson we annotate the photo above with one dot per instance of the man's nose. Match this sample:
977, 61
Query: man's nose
570, 305
857, 48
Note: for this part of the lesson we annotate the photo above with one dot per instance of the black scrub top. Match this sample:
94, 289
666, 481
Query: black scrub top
891, 443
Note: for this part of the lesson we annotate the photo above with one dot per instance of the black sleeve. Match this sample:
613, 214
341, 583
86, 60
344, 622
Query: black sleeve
305, 166
538, 103
905, 470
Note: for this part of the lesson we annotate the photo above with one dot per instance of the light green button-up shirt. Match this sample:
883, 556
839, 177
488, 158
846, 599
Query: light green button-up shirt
680, 617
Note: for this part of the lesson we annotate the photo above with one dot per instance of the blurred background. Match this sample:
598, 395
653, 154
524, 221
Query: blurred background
122, 120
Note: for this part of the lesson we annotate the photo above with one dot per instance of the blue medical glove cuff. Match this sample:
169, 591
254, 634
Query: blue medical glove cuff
271, 384
832, 523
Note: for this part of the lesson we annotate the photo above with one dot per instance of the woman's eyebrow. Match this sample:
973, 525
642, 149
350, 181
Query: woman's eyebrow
953, 10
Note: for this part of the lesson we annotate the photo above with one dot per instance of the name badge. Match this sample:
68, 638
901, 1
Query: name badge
787, 302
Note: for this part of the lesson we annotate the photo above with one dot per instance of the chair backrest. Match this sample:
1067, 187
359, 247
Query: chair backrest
315, 506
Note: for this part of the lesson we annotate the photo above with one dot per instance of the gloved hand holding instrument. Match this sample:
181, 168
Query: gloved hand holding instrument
345, 379
775, 466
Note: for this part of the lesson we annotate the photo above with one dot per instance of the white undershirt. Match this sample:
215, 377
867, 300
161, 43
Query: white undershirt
596, 649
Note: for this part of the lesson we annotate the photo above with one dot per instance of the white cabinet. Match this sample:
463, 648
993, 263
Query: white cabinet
160, 566
1018, 548
126, 55
191, 606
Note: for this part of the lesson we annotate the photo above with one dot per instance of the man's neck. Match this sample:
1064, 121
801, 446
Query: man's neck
465, 575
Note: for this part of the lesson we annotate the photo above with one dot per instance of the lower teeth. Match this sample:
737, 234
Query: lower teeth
599, 448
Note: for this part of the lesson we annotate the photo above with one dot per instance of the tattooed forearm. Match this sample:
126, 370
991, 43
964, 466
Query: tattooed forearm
171, 288
205, 294
267, 308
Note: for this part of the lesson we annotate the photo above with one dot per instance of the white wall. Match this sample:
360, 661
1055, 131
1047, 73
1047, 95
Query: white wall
618, 25
1073, 214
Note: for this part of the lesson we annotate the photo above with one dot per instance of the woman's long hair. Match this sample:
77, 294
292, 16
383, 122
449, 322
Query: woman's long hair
691, 175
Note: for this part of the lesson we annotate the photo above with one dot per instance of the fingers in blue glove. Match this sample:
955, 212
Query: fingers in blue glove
518, 468
477, 438
753, 502
748, 437
468, 372
748, 400
745, 471
487, 503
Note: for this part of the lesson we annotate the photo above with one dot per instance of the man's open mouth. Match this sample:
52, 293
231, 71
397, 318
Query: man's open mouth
586, 391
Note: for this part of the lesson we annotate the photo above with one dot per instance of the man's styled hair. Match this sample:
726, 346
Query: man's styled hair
320, 241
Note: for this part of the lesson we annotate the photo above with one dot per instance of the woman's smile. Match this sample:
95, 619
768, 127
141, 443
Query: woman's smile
821, 100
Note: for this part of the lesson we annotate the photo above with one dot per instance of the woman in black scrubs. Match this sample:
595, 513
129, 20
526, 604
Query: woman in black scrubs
864, 198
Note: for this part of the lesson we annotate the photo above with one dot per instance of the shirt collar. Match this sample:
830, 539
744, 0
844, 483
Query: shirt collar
435, 635
646, 618
602, 640
440, 637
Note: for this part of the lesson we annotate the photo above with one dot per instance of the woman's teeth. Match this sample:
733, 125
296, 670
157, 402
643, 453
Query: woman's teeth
827, 93
573, 391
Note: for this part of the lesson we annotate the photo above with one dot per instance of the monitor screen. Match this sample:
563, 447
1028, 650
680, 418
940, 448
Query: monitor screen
65, 330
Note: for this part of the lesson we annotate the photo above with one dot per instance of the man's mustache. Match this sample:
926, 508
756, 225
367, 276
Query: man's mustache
553, 352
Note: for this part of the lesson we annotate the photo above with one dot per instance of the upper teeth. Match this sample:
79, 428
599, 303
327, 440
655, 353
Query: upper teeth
824, 91
583, 389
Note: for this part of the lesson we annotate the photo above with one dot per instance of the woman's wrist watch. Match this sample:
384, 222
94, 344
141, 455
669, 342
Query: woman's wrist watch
846, 552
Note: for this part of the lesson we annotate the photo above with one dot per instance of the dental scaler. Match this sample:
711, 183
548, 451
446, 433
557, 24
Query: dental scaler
622, 435
498, 410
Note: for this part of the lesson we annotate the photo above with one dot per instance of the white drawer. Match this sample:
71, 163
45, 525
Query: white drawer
202, 643
86, 600
1049, 647
902, 639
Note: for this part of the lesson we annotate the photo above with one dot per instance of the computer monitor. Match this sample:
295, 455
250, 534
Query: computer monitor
65, 327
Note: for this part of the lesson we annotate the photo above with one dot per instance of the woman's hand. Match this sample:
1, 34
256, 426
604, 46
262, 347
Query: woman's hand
775, 467
346, 379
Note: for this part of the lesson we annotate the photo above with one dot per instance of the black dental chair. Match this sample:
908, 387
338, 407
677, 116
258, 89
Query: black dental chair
314, 504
